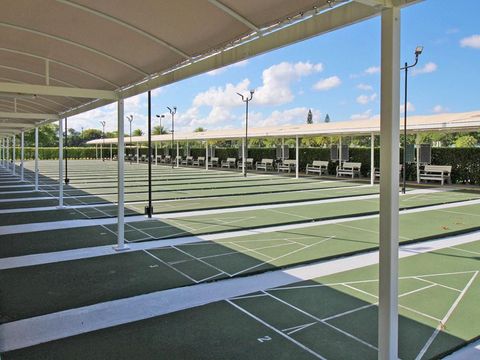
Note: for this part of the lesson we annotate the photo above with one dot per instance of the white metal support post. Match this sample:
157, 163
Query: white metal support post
176, 158
60, 163
36, 159
389, 185
283, 149
418, 157
8, 153
22, 155
13, 154
156, 154
111, 152
372, 159
244, 156
96, 151
297, 159
1, 153
206, 155
340, 152
138, 154
121, 179
101, 151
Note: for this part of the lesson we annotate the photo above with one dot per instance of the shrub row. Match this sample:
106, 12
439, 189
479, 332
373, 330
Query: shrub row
465, 161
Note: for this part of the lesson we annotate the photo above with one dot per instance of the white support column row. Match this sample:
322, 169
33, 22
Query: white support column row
36, 159
297, 159
60, 163
206, 155
13, 155
22, 155
8, 153
176, 158
389, 185
244, 156
121, 179
372, 159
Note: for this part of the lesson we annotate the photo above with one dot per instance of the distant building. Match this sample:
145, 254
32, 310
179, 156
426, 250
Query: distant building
327, 119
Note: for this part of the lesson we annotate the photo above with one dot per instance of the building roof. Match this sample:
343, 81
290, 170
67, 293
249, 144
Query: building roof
450, 122
59, 58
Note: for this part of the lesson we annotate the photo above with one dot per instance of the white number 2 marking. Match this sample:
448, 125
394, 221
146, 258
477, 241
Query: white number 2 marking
264, 338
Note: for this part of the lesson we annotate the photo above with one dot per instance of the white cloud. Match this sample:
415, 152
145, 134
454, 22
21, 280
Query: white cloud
410, 107
328, 83
222, 96
439, 109
471, 41
365, 87
365, 99
225, 68
277, 79
426, 69
367, 114
372, 70
291, 116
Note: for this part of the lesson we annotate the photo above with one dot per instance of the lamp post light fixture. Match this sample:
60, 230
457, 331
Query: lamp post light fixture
172, 112
246, 100
130, 119
103, 138
418, 51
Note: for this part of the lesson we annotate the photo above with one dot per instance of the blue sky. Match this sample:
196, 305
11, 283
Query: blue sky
336, 73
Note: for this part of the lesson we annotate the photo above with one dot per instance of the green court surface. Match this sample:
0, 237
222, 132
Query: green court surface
328, 317
87, 281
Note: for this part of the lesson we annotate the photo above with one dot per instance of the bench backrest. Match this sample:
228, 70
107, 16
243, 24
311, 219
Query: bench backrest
201, 158
444, 168
351, 165
214, 159
320, 163
189, 158
167, 156
266, 161
289, 162
231, 159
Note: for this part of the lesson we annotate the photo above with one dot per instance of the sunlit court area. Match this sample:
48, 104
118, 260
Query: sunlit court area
203, 180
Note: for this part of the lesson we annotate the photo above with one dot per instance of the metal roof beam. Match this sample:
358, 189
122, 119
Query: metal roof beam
17, 115
26, 89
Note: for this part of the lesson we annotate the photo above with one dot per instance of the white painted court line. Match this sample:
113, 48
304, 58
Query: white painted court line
28, 332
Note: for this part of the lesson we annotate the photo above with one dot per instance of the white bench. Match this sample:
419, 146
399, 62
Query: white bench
188, 160
213, 162
377, 171
229, 163
349, 169
248, 163
318, 166
287, 165
436, 172
265, 164
199, 162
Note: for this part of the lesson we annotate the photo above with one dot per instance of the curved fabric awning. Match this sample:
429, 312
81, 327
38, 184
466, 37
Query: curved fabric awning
59, 58
469, 121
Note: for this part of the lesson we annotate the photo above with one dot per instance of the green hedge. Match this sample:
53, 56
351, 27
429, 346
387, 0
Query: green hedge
50, 153
465, 161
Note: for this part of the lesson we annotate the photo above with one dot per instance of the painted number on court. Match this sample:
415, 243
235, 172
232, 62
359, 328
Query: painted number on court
264, 338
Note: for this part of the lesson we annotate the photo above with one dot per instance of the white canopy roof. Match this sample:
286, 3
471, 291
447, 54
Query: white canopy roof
468, 121
59, 58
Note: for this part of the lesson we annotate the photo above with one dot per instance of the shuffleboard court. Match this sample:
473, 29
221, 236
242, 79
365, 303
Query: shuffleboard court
332, 316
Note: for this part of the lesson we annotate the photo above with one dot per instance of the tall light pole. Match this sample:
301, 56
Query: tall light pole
160, 117
103, 123
246, 100
172, 112
418, 51
130, 119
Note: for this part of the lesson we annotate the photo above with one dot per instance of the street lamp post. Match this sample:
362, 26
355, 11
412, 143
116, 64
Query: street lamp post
172, 112
246, 100
160, 117
103, 139
418, 51
130, 119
